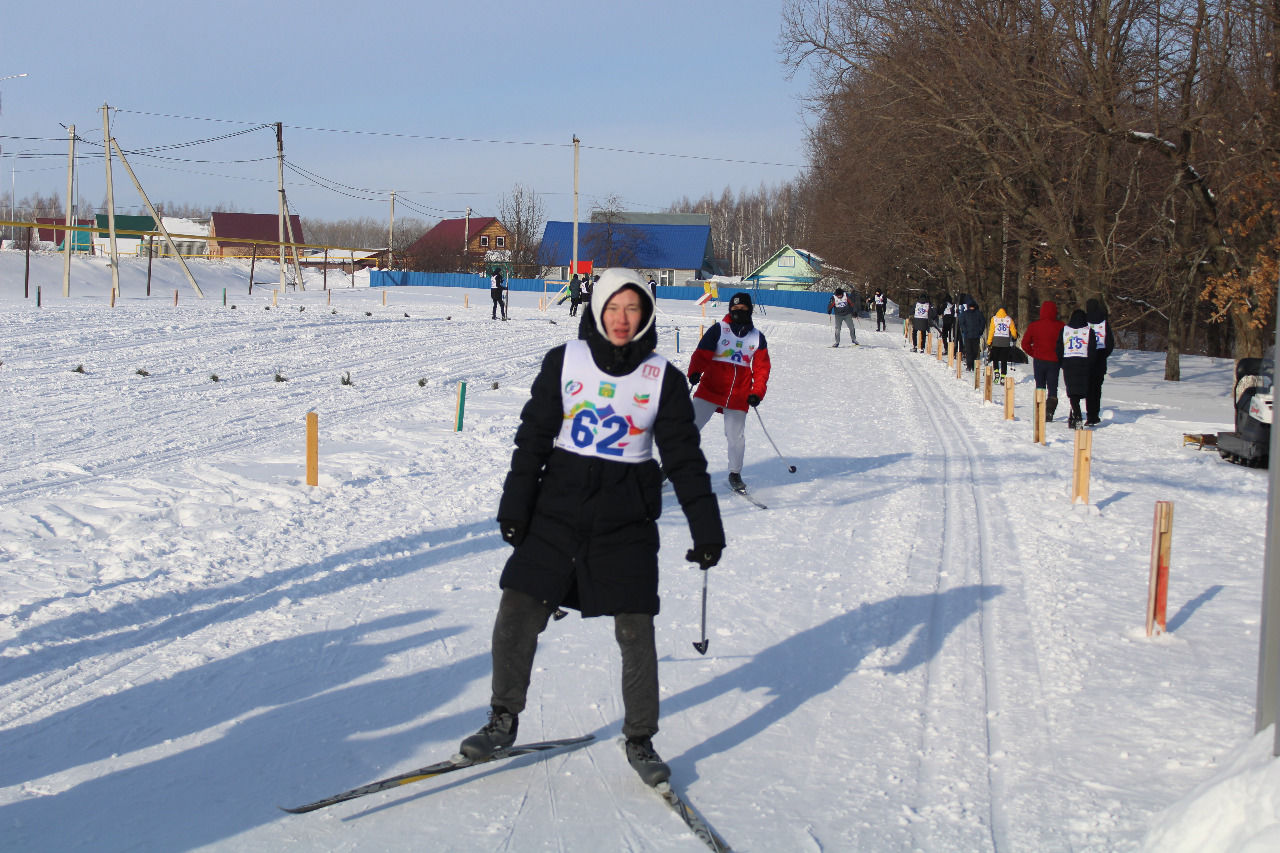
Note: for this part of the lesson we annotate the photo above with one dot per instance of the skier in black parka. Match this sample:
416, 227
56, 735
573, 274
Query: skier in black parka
581, 501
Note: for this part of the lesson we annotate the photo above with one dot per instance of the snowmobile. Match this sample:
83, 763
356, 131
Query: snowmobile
1252, 394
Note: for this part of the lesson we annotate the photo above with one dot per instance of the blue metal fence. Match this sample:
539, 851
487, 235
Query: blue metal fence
803, 300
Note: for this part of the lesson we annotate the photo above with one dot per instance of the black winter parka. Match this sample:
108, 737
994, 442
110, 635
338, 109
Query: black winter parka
592, 541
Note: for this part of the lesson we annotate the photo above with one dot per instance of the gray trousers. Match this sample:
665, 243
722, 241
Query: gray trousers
521, 618
846, 320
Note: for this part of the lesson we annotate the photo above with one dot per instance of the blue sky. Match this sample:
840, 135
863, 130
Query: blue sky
448, 104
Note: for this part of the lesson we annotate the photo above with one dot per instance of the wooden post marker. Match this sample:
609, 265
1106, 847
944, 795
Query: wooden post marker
951, 354
987, 376
704, 309
1008, 399
1080, 466
677, 340
977, 373
113, 297
313, 449
466, 300
330, 297
938, 354
1037, 421
958, 361
1158, 585
275, 298
384, 299
462, 404
175, 299
928, 341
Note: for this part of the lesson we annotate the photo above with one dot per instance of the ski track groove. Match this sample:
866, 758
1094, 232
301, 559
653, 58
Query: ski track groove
966, 493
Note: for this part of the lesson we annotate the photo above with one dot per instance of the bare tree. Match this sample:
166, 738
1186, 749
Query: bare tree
522, 212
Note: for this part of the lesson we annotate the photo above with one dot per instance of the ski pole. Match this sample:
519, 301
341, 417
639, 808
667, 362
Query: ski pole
790, 467
701, 645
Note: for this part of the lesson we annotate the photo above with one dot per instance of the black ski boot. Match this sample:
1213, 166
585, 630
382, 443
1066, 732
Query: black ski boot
646, 762
735, 482
1050, 405
496, 735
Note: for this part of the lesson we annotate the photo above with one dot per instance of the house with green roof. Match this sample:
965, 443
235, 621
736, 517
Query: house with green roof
787, 269
126, 244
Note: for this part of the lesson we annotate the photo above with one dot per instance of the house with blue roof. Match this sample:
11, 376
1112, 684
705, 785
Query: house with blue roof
667, 247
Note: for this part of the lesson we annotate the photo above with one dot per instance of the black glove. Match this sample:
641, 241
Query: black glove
513, 532
705, 556
753, 400
695, 378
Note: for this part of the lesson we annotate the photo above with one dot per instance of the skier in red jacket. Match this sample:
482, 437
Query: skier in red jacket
1041, 342
730, 368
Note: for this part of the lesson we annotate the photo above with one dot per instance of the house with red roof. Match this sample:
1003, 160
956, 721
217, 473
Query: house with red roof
231, 234
466, 245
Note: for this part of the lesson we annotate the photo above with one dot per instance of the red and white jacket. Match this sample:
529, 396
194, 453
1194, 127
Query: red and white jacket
733, 366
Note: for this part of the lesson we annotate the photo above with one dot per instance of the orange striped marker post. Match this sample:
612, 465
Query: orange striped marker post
313, 449
1081, 462
1158, 585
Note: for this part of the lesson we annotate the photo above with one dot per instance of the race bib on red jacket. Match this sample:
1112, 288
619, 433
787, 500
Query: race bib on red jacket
734, 349
610, 417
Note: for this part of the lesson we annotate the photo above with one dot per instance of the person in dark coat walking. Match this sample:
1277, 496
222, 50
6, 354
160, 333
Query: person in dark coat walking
575, 295
496, 289
580, 505
1041, 343
1097, 317
970, 327
1075, 350
879, 301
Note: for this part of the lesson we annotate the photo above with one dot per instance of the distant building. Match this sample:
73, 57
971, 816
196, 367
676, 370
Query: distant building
126, 244
231, 234
670, 247
787, 269
81, 241
467, 245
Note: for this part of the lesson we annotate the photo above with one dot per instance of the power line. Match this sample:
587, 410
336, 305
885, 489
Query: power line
428, 137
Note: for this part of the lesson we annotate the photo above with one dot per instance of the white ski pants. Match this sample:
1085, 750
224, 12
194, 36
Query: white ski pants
735, 425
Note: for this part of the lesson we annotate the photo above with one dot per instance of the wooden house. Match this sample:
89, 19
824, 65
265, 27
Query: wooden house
461, 245
230, 234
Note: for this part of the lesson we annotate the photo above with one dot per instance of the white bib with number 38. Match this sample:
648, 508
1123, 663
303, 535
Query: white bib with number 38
610, 417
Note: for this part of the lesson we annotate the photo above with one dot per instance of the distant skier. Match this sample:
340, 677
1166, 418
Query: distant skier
842, 310
1001, 335
948, 318
970, 326
575, 295
1041, 343
580, 505
880, 302
1097, 317
730, 368
1076, 348
922, 318
496, 289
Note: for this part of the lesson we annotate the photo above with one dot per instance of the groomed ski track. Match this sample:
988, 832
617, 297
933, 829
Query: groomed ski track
260, 643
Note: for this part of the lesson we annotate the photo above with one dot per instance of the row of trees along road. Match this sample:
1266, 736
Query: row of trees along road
1022, 150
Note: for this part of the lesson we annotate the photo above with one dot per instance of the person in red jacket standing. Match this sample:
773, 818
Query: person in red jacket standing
1041, 343
730, 369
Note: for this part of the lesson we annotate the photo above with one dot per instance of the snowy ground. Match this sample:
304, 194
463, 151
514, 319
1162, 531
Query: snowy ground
921, 645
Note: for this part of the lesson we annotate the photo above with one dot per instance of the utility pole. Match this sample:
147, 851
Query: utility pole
391, 231
573, 260
466, 242
159, 224
280, 184
111, 201
68, 236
